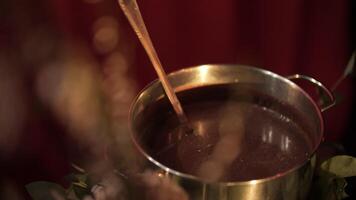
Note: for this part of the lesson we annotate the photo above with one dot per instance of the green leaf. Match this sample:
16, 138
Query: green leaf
340, 166
43, 190
329, 182
82, 178
81, 190
339, 188
80, 185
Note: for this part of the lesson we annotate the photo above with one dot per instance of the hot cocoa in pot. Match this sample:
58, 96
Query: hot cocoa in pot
239, 134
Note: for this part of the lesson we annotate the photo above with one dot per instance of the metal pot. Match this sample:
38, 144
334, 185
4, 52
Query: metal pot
290, 184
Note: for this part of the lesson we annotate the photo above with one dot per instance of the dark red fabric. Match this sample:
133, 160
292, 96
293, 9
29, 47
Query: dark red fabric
311, 37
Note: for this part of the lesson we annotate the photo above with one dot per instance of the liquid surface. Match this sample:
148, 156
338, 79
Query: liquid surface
233, 140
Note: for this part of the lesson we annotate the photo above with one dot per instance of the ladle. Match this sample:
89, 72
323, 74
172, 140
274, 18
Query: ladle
132, 12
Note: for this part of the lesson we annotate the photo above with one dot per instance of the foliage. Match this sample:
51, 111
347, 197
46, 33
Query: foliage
78, 189
328, 184
329, 181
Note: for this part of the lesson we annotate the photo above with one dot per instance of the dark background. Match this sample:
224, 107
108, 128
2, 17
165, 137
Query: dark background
312, 37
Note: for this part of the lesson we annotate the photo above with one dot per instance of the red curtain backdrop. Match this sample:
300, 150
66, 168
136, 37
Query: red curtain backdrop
310, 37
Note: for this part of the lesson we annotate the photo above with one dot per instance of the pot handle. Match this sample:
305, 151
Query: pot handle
325, 92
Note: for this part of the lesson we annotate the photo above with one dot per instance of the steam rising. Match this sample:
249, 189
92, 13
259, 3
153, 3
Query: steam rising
228, 147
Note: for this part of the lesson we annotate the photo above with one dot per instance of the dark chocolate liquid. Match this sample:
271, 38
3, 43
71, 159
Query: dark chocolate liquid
238, 135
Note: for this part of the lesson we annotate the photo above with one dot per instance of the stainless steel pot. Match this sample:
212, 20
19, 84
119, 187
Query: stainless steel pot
289, 185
